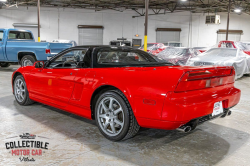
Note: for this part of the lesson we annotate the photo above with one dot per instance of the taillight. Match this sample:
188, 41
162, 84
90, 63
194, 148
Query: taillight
201, 79
47, 51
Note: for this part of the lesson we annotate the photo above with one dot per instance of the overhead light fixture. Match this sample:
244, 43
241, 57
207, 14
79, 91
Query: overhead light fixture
237, 10
183, 0
3, 0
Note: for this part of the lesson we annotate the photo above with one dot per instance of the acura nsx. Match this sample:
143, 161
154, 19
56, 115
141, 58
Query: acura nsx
123, 89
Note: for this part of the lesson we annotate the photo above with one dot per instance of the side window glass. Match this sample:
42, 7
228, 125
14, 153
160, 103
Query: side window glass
69, 60
12, 35
1, 35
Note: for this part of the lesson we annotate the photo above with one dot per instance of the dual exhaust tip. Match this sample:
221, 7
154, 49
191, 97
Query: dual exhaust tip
188, 127
184, 129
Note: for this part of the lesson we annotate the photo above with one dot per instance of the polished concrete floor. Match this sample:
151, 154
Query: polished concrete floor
76, 141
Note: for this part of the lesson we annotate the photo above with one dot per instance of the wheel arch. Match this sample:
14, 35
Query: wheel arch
13, 79
21, 54
98, 91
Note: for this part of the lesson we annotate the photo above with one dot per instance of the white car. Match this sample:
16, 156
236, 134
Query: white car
65, 41
224, 57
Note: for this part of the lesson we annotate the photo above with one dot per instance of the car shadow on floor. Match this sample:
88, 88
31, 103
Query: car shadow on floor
9, 69
208, 144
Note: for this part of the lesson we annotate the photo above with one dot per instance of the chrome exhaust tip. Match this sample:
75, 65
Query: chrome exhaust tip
227, 113
184, 129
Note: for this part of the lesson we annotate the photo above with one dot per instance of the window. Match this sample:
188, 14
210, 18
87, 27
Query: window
1, 35
72, 59
20, 35
114, 57
226, 45
220, 52
118, 57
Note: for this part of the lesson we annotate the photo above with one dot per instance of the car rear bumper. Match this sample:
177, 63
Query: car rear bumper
180, 108
170, 125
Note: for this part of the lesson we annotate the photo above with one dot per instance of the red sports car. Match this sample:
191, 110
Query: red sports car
232, 44
124, 88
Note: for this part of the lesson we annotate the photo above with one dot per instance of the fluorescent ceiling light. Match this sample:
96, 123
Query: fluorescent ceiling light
3, 0
237, 10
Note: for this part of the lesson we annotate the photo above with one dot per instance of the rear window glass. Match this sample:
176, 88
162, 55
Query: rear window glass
20, 35
221, 52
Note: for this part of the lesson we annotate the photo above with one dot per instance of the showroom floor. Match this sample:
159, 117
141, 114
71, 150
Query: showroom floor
76, 141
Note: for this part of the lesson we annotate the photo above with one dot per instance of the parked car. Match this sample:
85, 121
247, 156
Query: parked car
173, 44
120, 42
124, 88
27, 136
65, 41
20, 46
201, 49
247, 44
233, 44
224, 57
154, 48
178, 55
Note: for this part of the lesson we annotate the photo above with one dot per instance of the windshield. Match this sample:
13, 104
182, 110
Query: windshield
226, 45
174, 44
221, 52
117, 57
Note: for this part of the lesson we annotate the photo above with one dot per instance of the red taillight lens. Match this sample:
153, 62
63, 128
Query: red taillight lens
47, 51
202, 79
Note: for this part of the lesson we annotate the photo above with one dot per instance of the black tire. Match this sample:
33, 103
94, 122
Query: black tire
26, 100
131, 127
27, 58
4, 64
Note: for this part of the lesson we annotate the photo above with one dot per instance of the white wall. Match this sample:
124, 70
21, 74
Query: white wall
117, 24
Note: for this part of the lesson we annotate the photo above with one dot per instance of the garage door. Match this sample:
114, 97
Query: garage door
90, 35
165, 35
234, 35
31, 27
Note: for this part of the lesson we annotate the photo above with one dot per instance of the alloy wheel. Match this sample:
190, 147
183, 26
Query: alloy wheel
110, 116
20, 92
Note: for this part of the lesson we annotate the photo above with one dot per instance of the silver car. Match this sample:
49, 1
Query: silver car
224, 57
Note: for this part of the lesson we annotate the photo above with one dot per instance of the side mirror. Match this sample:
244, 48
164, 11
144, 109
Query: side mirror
39, 64
81, 64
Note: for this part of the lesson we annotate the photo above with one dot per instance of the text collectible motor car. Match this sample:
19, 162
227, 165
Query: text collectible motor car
124, 88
